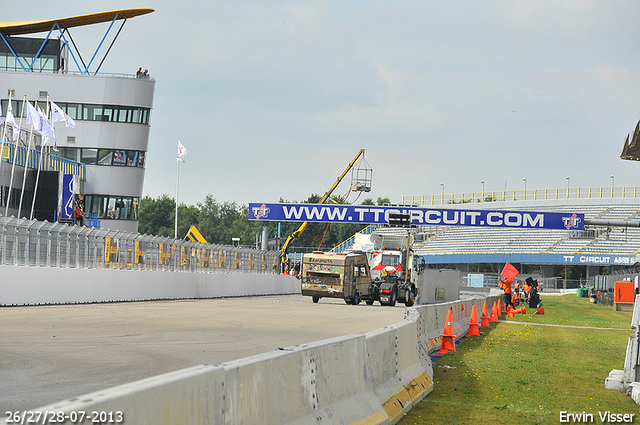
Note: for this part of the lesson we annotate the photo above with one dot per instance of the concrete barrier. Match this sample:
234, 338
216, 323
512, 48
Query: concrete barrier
628, 379
373, 379
53, 285
399, 378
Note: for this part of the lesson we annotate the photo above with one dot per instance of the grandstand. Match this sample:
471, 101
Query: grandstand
613, 241
596, 245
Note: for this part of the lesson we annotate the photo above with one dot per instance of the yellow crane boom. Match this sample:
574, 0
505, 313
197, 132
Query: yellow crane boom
298, 232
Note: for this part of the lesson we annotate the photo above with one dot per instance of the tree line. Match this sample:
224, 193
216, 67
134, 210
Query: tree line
219, 222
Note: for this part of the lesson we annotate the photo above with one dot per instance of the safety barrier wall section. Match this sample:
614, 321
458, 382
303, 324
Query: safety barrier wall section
46, 285
372, 378
628, 379
398, 376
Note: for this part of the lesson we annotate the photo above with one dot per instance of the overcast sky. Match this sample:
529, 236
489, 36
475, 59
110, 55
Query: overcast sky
274, 99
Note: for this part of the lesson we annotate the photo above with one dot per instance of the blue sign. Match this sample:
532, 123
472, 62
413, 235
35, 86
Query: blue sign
67, 195
369, 214
531, 258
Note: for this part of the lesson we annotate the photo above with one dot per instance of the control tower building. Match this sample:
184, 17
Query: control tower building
106, 151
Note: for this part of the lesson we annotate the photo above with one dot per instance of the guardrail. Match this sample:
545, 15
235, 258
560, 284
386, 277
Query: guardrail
26, 242
48, 161
609, 192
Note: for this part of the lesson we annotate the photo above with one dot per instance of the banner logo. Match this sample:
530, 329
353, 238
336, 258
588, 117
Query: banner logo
571, 222
260, 212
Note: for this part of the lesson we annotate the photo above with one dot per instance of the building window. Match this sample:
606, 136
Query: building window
90, 112
113, 207
105, 157
93, 156
89, 156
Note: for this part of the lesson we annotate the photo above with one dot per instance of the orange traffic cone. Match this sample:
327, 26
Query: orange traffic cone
473, 322
494, 315
513, 312
539, 310
448, 337
485, 316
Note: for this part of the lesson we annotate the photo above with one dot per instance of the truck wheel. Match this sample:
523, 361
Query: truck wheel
409, 298
315, 299
394, 296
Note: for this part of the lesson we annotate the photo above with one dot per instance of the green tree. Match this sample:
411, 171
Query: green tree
157, 216
219, 223
187, 216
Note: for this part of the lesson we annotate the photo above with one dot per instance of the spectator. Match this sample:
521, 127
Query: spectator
139, 73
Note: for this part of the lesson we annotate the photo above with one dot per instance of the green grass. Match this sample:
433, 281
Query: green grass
527, 374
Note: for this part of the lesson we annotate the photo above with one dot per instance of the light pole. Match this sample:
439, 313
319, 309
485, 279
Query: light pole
613, 183
568, 184
442, 200
524, 179
482, 190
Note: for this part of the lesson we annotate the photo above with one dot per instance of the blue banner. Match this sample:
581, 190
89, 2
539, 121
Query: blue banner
67, 196
531, 258
369, 214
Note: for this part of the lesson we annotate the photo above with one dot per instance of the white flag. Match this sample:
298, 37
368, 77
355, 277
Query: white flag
69, 122
57, 114
182, 151
32, 116
1, 121
44, 128
11, 120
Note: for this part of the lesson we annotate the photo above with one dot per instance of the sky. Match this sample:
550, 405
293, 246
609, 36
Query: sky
274, 99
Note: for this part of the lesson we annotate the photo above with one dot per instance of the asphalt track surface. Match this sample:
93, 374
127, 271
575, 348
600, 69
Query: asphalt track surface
51, 353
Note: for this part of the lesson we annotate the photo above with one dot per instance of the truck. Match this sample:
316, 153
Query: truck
393, 267
338, 275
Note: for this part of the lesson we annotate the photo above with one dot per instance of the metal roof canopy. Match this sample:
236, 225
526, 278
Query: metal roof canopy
8, 29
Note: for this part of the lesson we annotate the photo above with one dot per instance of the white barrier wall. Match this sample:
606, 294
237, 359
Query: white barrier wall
629, 379
23, 285
372, 378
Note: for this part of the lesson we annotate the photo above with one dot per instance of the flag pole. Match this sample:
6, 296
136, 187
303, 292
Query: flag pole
4, 135
15, 156
26, 166
42, 143
177, 186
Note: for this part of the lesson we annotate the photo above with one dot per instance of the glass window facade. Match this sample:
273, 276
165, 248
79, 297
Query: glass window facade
93, 156
89, 112
112, 207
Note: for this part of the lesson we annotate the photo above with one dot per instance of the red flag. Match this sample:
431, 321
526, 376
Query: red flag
509, 271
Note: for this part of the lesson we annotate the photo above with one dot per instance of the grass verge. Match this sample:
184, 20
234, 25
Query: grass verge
523, 373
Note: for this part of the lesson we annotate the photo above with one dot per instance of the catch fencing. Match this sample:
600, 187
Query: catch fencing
26, 242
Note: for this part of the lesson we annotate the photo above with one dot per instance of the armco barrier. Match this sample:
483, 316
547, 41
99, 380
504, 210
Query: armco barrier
366, 379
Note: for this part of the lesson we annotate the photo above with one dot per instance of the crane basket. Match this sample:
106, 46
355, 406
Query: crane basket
361, 176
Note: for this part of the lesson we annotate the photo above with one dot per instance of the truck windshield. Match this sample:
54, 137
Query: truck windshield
390, 260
